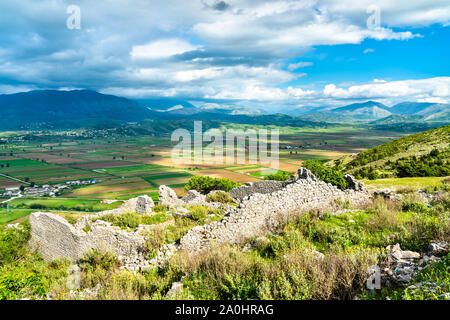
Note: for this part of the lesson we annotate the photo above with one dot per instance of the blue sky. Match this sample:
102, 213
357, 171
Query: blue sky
266, 54
417, 58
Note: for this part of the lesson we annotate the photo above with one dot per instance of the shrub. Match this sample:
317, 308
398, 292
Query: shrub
199, 212
326, 174
420, 207
279, 176
219, 196
97, 265
13, 242
160, 208
124, 220
205, 184
155, 219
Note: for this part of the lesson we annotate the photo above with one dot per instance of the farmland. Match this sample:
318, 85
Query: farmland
129, 166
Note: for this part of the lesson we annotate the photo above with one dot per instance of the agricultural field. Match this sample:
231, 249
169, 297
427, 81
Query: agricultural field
127, 167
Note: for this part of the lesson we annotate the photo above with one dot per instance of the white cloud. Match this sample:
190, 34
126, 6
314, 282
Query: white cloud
368, 50
139, 48
295, 66
162, 49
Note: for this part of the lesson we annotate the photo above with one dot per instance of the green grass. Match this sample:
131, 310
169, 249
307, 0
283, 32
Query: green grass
13, 215
24, 164
63, 204
398, 183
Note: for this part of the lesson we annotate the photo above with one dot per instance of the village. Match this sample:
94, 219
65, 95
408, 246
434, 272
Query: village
45, 190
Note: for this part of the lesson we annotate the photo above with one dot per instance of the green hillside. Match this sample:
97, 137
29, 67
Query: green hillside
418, 155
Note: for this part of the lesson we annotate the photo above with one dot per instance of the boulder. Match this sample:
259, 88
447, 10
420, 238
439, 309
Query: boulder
144, 204
304, 173
354, 184
168, 197
438, 249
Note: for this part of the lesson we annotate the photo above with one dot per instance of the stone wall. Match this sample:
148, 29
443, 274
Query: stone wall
262, 205
261, 212
263, 187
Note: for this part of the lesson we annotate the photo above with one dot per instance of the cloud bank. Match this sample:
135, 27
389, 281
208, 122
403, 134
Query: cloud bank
205, 49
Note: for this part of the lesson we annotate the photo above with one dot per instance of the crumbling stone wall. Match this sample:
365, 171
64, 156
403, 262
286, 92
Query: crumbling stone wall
263, 187
261, 212
262, 205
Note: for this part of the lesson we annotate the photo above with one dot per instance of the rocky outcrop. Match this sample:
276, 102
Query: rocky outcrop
168, 197
354, 184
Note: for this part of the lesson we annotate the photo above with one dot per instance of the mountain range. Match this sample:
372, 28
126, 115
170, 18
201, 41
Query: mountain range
66, 109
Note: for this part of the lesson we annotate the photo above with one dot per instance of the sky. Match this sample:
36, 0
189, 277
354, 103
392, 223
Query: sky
257, 53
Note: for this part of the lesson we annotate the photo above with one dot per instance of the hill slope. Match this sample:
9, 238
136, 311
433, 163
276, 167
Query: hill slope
432, 146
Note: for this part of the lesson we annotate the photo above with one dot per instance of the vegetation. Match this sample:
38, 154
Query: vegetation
279, 176
422, 154
281, 265
434, 164
132, 219
219, 196
205, 184
326, 174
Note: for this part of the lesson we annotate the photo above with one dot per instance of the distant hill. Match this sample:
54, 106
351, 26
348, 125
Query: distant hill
372, 111
358, 106
355, 112
409, 151
409, 108
25, 109
53, 109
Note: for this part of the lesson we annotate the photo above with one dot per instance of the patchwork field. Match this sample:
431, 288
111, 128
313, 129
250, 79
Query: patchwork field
131, 166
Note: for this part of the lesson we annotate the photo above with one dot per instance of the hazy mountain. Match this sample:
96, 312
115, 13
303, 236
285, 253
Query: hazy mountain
407, 112
52, 106
409, 107
49, 109
230, 109
356, 112
354, 107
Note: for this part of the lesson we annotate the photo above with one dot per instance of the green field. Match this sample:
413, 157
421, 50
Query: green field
74, 204
8, 216
399, 183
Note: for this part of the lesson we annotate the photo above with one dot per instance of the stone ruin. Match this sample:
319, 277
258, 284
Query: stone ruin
261, 207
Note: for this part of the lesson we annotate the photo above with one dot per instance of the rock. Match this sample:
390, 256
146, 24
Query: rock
354, 184
438, 249
406, 255
304, 173
399, 254
168, 197
387, 195
258, 187
318, 255
144, 204
177, 288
